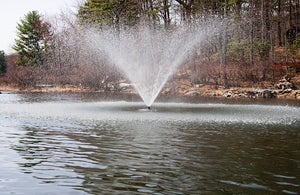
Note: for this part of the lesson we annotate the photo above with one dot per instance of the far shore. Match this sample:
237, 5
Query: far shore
195, 90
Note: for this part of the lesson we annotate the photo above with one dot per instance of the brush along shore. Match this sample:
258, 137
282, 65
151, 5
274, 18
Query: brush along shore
283, 89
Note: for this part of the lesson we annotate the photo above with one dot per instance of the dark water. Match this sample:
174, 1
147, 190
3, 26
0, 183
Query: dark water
89, 144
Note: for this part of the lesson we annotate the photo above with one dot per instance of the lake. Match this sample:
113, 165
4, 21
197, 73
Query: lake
91, 143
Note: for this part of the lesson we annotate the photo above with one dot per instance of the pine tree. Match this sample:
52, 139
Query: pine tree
32, 38
113, 13
2, 63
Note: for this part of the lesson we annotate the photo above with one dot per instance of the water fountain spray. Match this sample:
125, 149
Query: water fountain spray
148, 57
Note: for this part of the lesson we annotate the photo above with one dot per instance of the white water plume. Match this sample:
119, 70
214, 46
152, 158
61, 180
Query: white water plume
148, 57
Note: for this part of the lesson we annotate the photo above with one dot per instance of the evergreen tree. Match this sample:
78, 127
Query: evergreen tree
109, 12
32, 38
2, 63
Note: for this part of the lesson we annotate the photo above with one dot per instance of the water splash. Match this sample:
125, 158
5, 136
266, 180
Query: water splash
149, 57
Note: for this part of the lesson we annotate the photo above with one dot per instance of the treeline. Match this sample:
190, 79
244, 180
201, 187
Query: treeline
252, 35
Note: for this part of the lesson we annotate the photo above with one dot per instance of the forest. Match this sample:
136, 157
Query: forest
258, 42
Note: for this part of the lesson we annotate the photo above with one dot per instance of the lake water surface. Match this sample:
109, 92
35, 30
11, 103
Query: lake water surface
98, 144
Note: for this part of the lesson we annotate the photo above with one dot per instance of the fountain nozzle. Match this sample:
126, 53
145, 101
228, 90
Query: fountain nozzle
149, 108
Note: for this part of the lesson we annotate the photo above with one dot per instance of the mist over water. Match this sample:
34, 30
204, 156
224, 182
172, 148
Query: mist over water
148, 57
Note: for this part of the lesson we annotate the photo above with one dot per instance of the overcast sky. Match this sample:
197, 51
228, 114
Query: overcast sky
11, 11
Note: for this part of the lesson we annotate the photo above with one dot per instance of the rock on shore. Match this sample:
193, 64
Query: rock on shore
245, 93
283, 89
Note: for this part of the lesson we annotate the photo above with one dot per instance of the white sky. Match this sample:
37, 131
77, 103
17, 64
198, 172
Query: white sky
11, 11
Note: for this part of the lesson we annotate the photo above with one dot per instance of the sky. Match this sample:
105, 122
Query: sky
12, 11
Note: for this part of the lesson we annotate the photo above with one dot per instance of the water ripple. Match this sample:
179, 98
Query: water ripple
112, 148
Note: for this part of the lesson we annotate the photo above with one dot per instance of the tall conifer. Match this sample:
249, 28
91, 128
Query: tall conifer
32, 37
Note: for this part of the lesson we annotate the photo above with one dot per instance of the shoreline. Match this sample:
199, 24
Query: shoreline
185, 91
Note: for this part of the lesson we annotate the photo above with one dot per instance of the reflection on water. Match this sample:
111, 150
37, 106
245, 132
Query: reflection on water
80, 145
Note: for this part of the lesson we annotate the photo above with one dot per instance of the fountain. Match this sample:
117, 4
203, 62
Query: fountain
148, 57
